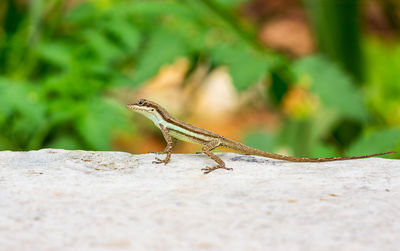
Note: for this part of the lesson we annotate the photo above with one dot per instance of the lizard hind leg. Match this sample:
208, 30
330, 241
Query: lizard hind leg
207, 150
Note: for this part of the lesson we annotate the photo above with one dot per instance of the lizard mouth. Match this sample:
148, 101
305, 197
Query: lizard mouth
130, 106
135, 107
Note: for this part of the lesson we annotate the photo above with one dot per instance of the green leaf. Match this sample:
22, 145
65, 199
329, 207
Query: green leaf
163, 48
322, 124
261, 140
5, 103
102, 46
7, 144
149, 9
62, 111
321, 150
20, 97
375, 142
27, 125
83, 13
246, 66
382, 89
335, 89
72, 85
297, 135
125, 32
100, 118
230, 3
337, 30
56, 53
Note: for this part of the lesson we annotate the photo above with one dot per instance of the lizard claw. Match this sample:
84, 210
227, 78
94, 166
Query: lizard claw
208, 169
159, 161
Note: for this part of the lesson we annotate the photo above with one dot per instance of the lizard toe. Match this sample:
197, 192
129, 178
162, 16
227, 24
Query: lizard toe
208, 169
159, 161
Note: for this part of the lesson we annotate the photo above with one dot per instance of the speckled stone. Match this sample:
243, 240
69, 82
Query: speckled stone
79, 200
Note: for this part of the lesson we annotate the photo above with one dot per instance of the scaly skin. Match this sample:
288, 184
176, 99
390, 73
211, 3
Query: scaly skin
171, 126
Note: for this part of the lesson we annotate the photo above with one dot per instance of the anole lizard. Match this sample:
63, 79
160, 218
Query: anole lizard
171, 126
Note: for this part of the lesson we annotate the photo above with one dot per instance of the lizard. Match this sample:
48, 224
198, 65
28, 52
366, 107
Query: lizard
172, 127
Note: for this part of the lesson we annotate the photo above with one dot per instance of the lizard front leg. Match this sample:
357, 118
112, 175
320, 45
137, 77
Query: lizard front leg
207, 150
168, 148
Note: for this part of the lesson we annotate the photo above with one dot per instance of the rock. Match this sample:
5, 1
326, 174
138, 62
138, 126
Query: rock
78, 200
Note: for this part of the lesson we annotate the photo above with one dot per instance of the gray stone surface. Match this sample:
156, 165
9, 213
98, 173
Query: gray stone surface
78, 200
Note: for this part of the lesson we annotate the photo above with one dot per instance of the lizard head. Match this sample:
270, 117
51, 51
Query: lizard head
148, 108
144, 106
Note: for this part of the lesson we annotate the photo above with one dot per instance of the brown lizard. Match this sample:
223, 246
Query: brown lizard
171, 126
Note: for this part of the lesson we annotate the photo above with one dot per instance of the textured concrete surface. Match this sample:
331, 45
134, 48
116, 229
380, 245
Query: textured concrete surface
78, 200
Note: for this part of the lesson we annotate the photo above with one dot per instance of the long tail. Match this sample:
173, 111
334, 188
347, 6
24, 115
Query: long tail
243, 148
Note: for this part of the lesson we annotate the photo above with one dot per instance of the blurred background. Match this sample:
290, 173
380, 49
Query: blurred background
313, 78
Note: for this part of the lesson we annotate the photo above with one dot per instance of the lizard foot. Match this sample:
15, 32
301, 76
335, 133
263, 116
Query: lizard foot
159, 161
208, 169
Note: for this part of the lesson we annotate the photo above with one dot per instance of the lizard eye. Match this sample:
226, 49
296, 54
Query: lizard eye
141, 102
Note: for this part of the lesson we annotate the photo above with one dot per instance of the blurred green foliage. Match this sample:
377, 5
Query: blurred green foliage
349, 120
338, 32
59, 61
382, 90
